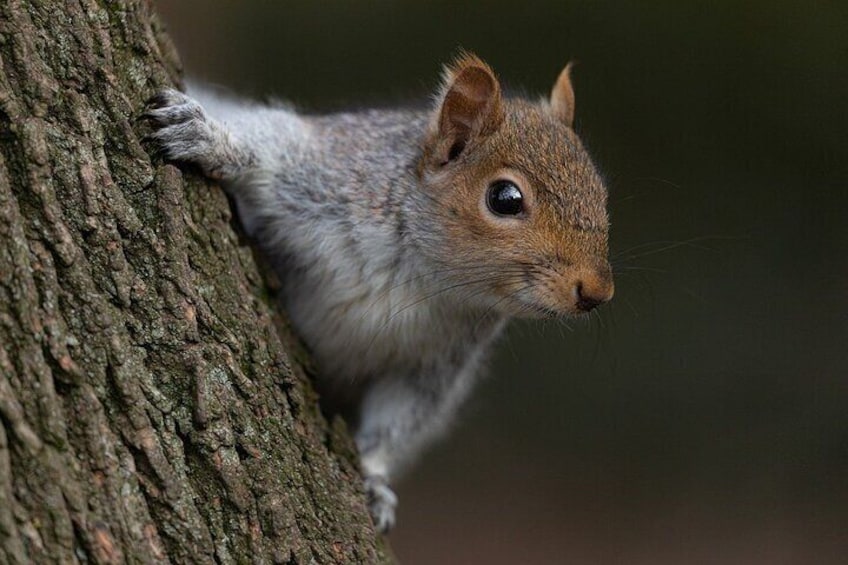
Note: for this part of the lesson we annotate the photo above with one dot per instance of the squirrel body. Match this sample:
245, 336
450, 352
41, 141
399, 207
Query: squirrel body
405, 239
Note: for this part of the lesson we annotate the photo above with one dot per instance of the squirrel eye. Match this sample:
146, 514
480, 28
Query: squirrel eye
504, 198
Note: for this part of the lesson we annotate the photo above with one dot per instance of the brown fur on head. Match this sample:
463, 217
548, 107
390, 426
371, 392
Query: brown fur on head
550, 257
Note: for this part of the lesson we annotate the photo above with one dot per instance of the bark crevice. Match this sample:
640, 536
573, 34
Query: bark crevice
152, 406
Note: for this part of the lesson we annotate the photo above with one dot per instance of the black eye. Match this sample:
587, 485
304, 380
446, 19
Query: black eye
504, 198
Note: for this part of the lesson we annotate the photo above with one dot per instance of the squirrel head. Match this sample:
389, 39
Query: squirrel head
520, 209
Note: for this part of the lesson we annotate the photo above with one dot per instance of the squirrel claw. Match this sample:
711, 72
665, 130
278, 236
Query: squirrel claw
381, 502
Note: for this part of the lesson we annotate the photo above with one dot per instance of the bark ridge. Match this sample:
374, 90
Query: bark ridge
150, 410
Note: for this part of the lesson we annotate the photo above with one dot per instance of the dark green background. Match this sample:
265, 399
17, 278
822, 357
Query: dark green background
702, 417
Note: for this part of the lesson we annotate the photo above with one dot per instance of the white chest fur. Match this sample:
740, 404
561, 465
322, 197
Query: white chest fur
361, 328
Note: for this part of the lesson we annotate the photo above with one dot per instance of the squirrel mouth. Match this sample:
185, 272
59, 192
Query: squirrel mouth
534, 310
529, 308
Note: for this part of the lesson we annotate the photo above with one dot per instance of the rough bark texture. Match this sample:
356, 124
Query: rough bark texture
149, 410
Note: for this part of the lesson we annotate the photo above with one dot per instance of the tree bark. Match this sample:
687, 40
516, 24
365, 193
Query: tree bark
153, 407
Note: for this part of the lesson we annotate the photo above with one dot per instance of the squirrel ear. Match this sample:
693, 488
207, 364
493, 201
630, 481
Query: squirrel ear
562, 97
470, 106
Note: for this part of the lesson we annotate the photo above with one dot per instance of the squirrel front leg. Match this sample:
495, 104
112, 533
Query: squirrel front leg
397, 418
241, 144
185, 132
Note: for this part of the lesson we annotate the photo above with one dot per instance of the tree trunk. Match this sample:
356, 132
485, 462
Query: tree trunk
152, 406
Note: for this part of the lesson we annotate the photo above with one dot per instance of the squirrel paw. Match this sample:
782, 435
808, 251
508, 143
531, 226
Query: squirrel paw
183, 131
381, 502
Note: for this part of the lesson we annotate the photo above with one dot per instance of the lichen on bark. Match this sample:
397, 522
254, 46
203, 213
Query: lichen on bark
149, 409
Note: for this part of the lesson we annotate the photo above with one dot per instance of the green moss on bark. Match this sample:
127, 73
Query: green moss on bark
150, 408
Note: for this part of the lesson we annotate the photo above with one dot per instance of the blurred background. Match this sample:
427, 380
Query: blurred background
702, 416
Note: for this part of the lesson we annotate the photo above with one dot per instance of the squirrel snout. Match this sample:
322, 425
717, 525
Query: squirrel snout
592, 287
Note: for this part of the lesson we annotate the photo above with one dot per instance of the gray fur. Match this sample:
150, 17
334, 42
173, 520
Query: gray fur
336, 202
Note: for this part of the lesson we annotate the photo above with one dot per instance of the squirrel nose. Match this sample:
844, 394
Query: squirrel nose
592, 289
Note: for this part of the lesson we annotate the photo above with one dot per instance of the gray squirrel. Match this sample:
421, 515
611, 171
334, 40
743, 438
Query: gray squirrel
405, 239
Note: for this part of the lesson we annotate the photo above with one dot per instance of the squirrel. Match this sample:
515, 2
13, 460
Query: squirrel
405, 239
